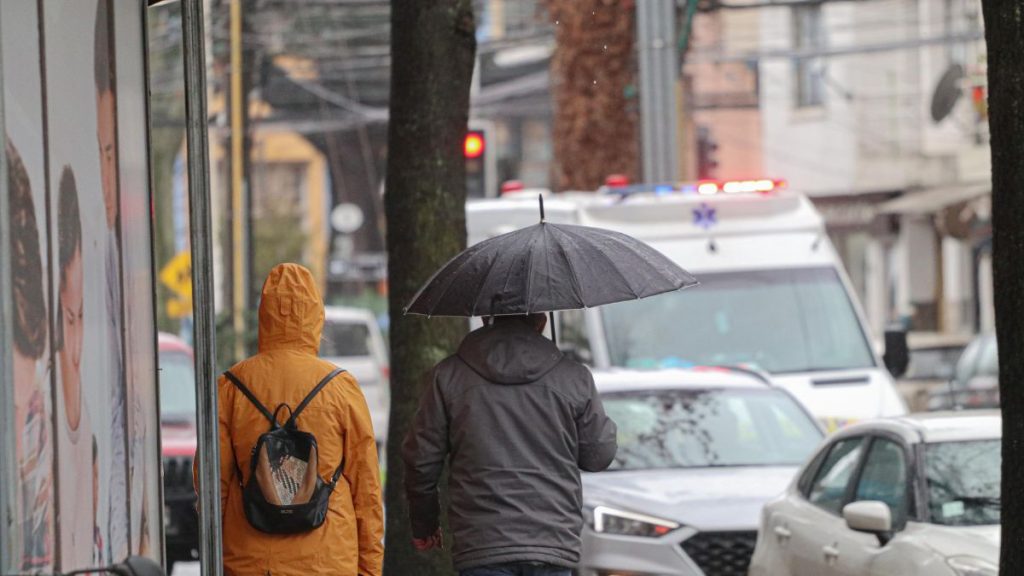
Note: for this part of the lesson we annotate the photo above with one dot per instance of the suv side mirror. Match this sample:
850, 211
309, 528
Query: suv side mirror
871, 517
897, 353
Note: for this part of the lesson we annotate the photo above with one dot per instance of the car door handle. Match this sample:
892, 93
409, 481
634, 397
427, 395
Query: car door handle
831, 554
783, 534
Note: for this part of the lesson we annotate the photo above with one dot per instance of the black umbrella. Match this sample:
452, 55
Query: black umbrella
545, 268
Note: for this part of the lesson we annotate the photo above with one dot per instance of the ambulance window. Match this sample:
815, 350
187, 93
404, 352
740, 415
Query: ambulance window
572, 335
782, 321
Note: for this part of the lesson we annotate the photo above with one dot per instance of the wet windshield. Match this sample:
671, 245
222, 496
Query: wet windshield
702, 428
177, 386
342, 339
964, 482
771, 319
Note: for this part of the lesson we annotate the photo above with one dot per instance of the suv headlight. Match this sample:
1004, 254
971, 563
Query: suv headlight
611, 521
972, 566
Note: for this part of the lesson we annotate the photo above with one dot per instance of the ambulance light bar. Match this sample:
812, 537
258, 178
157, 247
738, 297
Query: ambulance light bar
703, 188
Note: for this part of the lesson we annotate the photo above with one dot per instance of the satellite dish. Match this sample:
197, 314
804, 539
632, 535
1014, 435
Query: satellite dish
947, 92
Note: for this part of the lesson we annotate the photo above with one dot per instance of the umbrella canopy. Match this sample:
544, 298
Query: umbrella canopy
545, 268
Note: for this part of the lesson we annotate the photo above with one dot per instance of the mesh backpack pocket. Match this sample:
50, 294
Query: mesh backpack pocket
284, 493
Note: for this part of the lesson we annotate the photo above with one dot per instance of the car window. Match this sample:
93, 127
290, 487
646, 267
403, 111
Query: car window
884, 478
829, 489
964, 482
341, 339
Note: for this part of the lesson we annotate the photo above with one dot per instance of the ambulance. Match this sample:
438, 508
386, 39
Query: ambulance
773, 293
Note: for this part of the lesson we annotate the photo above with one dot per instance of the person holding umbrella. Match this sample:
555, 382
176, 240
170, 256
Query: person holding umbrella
515, 419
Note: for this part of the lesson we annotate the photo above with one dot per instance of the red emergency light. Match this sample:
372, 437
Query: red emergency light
511, 186
474, 145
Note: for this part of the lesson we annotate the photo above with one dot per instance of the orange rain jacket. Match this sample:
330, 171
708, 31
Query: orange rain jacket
285, 370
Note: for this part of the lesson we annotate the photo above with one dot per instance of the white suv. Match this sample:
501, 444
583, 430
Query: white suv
917, 495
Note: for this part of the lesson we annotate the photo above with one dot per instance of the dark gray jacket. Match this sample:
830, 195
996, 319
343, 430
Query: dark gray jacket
518, 422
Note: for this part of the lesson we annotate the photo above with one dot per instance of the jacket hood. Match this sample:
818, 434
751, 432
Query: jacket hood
509, 353
291, 310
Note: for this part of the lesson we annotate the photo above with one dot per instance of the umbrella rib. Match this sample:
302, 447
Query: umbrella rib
469, 254
572, 269
487, 276
529, 269
612, 263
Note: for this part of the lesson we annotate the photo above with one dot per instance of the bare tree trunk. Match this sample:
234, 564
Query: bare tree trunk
1004, 34
594, 75
433, 48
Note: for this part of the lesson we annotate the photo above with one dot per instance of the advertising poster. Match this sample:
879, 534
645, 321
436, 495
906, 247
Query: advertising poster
30, 537
92, 407
82, 483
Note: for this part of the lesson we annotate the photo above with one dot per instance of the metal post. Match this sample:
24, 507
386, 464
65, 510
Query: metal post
659, 69
202, 287
239, 200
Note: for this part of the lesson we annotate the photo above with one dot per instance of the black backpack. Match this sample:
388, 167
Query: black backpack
285, 494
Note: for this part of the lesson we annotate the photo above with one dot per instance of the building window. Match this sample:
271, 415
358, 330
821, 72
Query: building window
809, 73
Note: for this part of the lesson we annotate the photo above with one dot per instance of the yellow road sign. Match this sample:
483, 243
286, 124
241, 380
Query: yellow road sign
179, 307
177, 275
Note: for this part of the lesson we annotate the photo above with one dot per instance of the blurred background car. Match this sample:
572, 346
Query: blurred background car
914, 495
178, 448
352, 340
700, 452
933, 357
975, 382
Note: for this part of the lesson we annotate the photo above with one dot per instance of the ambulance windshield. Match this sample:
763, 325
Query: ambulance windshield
781, 321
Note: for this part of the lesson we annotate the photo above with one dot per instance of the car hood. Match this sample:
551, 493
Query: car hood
949, 541
726, 498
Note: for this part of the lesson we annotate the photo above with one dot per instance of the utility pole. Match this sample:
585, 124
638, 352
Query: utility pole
659, 70
239, 193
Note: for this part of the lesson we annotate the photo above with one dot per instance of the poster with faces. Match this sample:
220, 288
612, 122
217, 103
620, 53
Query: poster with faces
82, 484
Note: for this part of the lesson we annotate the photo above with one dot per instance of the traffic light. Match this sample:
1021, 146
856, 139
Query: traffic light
475, 151
707, 150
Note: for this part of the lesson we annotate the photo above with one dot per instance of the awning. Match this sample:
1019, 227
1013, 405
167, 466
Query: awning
931, 200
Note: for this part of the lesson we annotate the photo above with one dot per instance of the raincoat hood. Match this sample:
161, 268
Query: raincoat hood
509, 353
291, 310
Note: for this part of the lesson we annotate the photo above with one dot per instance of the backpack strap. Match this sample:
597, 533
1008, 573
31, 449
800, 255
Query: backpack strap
252, 398
309, 397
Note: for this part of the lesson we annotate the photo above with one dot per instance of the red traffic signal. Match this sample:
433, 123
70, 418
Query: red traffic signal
474, 145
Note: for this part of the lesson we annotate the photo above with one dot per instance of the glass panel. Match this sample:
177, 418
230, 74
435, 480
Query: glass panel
689, 429
341, 339
177, 386
829, 490
964, 482
768, 318
885, 478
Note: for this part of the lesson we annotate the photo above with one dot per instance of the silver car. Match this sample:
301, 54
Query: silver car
352, 340
700, 452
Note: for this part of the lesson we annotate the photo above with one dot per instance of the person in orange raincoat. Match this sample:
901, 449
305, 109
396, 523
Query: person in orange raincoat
349, 543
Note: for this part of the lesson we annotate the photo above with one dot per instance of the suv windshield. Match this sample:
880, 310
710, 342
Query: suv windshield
342, 339
769, 318
701, 428
964, 482
177, 386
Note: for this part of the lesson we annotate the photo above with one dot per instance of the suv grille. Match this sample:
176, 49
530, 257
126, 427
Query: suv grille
721, 553
178, 475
